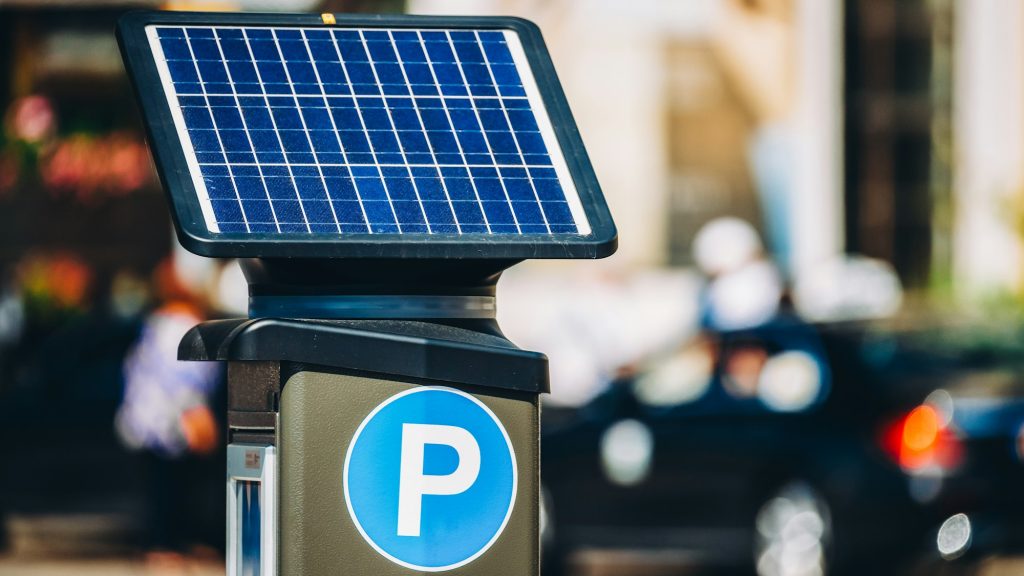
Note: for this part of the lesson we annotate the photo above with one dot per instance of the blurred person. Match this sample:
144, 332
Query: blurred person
171, 411
744, 288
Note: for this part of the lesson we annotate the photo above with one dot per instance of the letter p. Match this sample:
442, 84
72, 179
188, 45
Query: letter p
413, 484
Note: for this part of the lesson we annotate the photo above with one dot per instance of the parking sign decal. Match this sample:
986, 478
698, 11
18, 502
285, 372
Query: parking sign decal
430, 478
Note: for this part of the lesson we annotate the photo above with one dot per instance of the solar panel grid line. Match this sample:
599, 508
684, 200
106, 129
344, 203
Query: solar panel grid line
389, 96
273, 122
426, 137
365, 214
490, 149
490, 67
337, 136
302, 120
327, 189
344, 153
375, 146
458, 142
213, 119
383, 165
476, 111
547, 131
515, 138
241, 114
394, 128
205, 206
370, 143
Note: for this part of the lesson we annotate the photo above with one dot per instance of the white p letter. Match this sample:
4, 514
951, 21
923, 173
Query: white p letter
413, 484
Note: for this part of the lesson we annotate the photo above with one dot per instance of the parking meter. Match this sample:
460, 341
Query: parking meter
375, 175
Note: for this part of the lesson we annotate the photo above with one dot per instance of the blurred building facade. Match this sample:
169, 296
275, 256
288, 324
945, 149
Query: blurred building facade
988, 147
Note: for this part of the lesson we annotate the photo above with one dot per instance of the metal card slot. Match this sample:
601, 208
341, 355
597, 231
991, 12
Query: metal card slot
252, 510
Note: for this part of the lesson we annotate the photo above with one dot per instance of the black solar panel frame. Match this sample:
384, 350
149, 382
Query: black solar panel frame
177, 180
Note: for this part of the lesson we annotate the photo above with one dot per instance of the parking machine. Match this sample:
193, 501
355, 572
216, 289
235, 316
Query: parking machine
374, 175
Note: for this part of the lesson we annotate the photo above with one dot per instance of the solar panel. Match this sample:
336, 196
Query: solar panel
397, 132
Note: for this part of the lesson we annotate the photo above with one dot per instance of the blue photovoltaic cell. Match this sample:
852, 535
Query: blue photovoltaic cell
363, 131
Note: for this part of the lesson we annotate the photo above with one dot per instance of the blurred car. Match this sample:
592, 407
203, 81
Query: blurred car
976, 485
795, 449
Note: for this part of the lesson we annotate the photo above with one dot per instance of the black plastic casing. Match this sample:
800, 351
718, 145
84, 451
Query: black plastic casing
188, 219
423, 352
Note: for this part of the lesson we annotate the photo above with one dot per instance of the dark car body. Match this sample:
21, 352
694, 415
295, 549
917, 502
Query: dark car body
717, 458
987, 415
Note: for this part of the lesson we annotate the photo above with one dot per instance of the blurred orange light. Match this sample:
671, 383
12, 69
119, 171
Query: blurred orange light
921, 429
920, 441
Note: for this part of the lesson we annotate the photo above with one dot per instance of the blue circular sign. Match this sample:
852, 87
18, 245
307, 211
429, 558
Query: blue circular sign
430, 478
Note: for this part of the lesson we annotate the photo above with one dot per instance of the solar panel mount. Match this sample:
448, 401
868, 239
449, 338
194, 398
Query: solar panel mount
372, 137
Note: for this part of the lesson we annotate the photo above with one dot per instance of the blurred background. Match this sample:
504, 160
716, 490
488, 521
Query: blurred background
806, 358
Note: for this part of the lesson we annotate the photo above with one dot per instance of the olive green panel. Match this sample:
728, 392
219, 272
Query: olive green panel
319, 415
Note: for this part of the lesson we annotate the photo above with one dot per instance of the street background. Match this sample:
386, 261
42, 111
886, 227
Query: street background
844, 175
